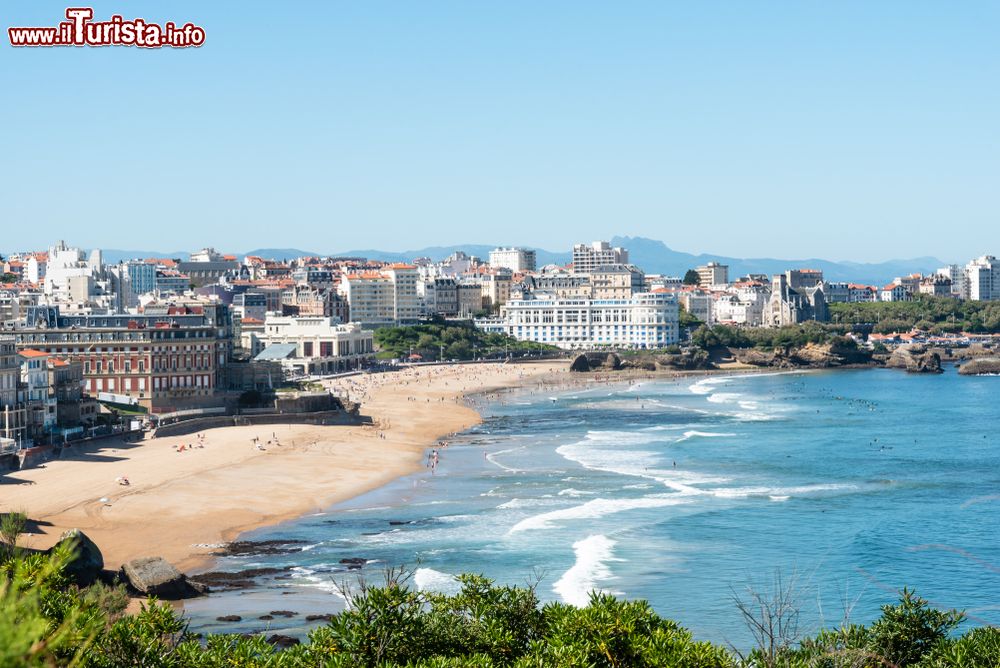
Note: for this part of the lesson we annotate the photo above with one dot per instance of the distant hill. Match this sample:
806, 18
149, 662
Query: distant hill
653, 256
114, 256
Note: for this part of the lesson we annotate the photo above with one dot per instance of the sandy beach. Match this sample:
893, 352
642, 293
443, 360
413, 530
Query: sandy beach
184, 505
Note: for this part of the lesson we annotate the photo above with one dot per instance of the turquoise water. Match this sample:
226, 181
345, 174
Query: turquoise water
852, 484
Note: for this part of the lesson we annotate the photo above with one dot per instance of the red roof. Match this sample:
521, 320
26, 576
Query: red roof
31, 352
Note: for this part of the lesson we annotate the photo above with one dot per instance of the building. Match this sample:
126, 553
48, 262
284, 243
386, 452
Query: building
518, 260
495, 288
794, 300
73, 407
315, 345
983, 279
598, 254
206, 267
646, 320
160, 362
13, 428
616, 281
936, 285
895, 292
384, 298
713, 274
36, 394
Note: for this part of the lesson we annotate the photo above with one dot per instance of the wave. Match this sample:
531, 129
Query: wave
701, 434
595, 509
569, 491
592, 556
428, 579
705, 385
724, 397
491, 458
779, 493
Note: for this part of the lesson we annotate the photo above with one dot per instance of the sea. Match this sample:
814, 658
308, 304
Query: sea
839, 487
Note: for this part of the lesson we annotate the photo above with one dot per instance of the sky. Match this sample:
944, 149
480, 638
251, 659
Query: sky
843, 130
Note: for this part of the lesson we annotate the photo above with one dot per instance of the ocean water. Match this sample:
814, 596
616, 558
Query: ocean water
850, 484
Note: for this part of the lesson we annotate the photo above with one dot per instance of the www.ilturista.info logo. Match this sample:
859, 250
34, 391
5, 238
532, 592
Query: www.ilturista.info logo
80, 30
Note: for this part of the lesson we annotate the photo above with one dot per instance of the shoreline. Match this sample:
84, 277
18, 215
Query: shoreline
184, 506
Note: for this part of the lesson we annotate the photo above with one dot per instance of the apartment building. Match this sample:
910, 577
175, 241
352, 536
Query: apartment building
598, 254
646, 320
983, 278
382, 298
713, 274
518, 260
12, 415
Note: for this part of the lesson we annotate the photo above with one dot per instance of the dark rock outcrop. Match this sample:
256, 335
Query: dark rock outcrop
155, 576
88, 562
353, 563
979, 367
282, 641
915, 358
318, 618
222, 580
250, 548
693, 359
229, 618
836, 353
596, 362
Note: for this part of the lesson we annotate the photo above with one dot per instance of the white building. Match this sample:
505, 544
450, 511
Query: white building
647, 320
598, 254
314, 344
982, 277
384, 298
518, 260
713, 274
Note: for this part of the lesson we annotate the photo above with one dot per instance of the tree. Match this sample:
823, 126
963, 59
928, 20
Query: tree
691, 277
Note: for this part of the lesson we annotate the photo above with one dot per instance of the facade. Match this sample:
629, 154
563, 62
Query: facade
713, 274
518, 260
315, 345
983, 279
495, 288
36, 394
794, 301
937, 285
161, 363
598, 254
894, 292
616, 282
384, 298
13, 430
647, 320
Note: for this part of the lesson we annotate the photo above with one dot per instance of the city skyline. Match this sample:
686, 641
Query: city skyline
857, 132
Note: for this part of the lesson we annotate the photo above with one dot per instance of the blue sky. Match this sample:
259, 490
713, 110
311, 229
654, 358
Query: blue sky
847, 130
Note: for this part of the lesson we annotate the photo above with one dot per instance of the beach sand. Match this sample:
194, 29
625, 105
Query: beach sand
184, 505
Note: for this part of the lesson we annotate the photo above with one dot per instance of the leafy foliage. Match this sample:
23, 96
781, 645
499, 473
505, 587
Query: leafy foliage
456, 340
937, 315
779, 337
44, 621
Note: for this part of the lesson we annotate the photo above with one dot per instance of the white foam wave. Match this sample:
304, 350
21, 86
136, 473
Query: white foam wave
492, 459
594, 509
778, 493
724, 397
428, 579
702, 434
591, 567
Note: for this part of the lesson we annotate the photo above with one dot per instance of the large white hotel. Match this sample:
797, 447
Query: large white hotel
646, 320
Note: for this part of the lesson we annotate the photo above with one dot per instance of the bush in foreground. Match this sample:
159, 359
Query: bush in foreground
44, 621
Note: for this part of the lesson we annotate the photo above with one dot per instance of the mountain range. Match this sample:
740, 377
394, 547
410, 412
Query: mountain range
653, 256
